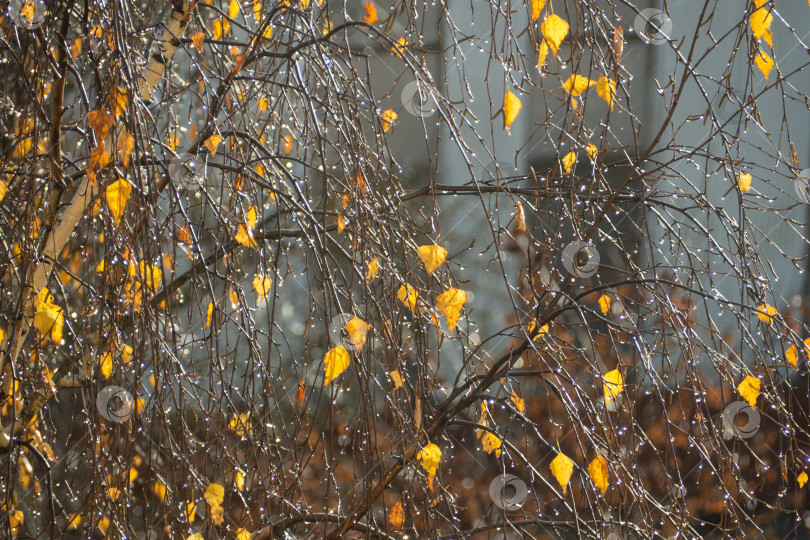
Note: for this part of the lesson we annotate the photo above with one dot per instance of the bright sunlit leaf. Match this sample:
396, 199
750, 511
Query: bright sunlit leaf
792, 353
429, 457
397, 516
554, 30
197, 40
568, 161
370, 16
749, 389
433, 256
372, 269
212, 142
117, 195
357, 329
612, 384
335, 362
604, 303
766, 313
576, 84
49, 317
408, 295
761, 20
491, 443
388, 117
537, 7
562, 468
214, 494
449, 304
606, 89
802, 479
262, 284
598, 471
764, 63
511, 109
744, 181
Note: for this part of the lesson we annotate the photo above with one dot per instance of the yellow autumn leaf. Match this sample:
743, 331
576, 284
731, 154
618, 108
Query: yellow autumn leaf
371, 269
370, 16
214, 494
242, 534
542, 53
449, 304
212, 142
397, 516
159, 489
408, 295
75, 522
341, 223
105, 363
749, 389
537, 7
216, 29
217, 515
540, 333
388, 117
196, 536
117, 195
233, 9
98, 157
562, 468
357, 329
262, 104
100, 122
764, 63
598, 471
262, 284
429, 457
802, 479
491, 443
244, 234
761, 20
744, 181
433, 256
49, 317
604, 303
125, 146
209, 314
240, 480
197, 40
3, 190
791, 354
766, 313
568, 161
335, 362
517, 401
396, 378
400, 46
576, 84
612, 384
511, 109
554, 30
118, 100
592, 151
606, 89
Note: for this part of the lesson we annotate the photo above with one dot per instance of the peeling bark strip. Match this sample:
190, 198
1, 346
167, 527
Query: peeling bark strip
154, 70
65, 223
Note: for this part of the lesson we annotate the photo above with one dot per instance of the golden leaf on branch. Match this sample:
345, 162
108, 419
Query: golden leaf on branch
562, 468
449, 304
